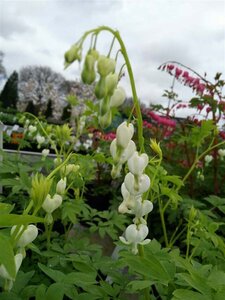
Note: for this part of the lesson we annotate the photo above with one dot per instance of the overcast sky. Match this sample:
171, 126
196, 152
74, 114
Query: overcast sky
38, 32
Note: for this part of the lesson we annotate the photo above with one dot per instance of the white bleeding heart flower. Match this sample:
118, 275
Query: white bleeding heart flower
40, 139
118, 97
121, 156
134, 235
208, 158
221, 152
71, 168
138, 185
28, 235
142, 208
113, 150
52, 203
116, 171
137, 163
45, 152
124, 134
18, 258
57, 161
128, 152
61, 186
32, 129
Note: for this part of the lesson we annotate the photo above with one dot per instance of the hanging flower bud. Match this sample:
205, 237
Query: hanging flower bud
105, 65
94, 53
88, 77
57, 161
52, 203
18, 258
124, 134
137, 186
71, 168
61, 186
104, 106
118, 97
105, 120
27, 237
100, 88
134, 235
111, 81
88, 74
137, 163
116, 171
74, 53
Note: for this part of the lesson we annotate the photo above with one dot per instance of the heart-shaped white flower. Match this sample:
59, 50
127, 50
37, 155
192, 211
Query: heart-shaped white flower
124, 134
128, 152
18, 258
118, 97
134, 235
27, 237
52, 203
61, 186
137, 163
142, 208
137, 186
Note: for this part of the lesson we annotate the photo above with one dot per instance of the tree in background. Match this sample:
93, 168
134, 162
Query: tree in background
2, 68
9, 94
41, 86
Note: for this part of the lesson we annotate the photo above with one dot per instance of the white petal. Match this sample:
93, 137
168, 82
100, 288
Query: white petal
124, 134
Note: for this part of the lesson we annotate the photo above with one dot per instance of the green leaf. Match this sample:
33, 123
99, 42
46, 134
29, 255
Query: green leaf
138, 285
55, 292
7, 255
5, 208
9, 296
40, 292
80, 279
152, 268
12, 219
56, 275
196, 281
22, 280
182, 294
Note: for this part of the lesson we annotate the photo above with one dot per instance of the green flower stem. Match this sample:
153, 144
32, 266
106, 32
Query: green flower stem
117, 36
146, 290
42, 128
199, 157
161, 212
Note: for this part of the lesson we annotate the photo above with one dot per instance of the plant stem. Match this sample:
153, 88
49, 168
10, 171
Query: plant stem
146, 290
161, 212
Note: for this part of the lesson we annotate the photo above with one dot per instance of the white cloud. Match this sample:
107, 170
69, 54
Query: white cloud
192, 32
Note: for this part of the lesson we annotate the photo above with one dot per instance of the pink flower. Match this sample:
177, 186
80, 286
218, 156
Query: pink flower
200, 88
222, 134
185, 74
200, 107
208, 109
170, 67
178, 72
